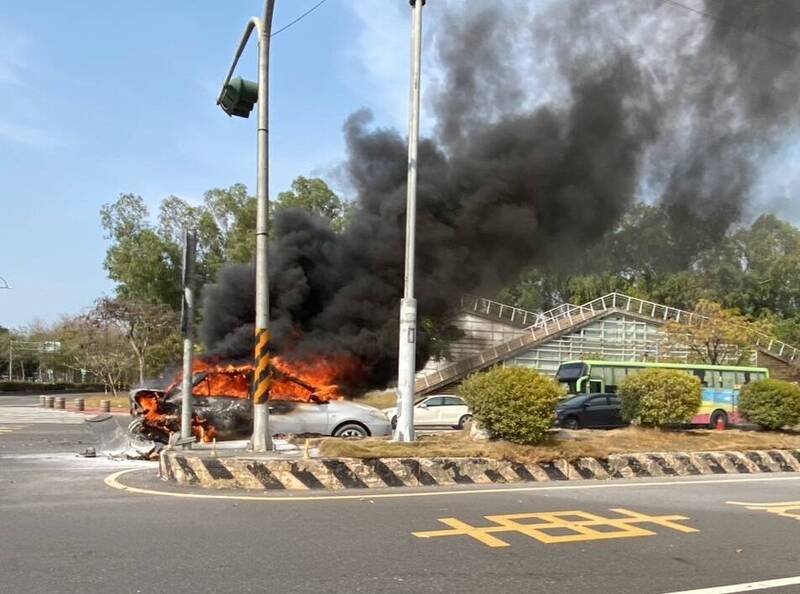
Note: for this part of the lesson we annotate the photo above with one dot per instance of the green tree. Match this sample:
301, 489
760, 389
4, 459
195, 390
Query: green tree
314, 196
144, 264
233, 211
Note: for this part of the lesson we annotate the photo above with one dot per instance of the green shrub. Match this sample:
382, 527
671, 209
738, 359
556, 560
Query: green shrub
513, 403
657, 397
771, 403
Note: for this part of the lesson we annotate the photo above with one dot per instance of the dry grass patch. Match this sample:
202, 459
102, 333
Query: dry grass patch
598, 444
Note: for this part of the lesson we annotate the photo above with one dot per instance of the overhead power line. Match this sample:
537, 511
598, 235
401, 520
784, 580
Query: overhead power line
300, 18
732, 25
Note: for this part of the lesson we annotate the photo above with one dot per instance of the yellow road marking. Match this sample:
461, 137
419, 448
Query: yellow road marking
113, 482
786, 509
559, 527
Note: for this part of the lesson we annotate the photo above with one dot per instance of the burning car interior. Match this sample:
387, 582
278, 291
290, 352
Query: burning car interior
222, 407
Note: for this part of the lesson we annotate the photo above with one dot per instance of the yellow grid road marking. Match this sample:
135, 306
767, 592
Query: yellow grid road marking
559, 527
786, 509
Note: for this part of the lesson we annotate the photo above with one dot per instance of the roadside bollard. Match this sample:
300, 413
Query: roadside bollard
80, 404
61, 403
49, 401
43, 401
105, 406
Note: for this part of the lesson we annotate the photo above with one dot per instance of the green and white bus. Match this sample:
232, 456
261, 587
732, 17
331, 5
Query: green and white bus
721, 383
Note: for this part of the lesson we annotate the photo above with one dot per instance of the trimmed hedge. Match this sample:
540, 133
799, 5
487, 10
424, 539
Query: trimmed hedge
513, 403
41, 387
771, 403
658, 397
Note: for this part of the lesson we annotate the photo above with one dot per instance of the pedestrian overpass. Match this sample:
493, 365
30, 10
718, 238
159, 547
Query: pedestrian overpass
615, 326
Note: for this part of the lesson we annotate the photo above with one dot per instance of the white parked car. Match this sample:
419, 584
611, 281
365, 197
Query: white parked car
437, 410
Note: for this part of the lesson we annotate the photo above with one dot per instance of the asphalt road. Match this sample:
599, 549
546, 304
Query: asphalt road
64, 530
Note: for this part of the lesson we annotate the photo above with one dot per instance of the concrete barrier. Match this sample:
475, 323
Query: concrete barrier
248, 471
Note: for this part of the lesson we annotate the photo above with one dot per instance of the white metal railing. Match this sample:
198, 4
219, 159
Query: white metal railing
563, 318
498, 310
531, 336
622, 302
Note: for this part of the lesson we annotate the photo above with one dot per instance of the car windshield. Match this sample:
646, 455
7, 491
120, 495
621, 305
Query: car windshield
574, 401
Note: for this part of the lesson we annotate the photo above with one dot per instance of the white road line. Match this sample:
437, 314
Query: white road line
749, 587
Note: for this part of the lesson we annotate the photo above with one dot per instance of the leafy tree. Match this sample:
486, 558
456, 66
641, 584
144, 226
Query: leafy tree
715, 336
314, 196
142, 323
100, 348
233, 211
145, 264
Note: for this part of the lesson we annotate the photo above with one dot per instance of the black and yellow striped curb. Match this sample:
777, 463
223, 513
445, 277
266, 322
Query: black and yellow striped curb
244, 472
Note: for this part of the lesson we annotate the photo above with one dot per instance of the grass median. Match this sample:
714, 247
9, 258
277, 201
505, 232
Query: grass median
569, 445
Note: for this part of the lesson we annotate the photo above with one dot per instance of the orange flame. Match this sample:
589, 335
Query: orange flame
307, 380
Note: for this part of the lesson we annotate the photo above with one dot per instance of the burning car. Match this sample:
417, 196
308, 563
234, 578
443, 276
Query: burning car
302, 401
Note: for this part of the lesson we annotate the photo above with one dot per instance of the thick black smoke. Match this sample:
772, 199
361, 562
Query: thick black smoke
505, 185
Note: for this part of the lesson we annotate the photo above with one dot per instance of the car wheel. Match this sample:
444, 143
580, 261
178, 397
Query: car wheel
715, 418
351, 431
464, 420
394, 422
571, 423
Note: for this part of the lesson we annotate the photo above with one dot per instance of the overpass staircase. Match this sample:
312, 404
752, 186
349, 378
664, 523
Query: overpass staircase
538, 328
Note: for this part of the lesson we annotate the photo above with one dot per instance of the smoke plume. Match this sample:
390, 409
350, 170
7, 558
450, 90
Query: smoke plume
548, 125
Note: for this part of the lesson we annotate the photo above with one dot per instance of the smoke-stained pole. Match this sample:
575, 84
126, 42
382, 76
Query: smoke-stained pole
406, 364
187, 322
237, 98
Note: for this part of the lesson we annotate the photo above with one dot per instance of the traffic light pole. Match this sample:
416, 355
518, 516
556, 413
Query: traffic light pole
261, 441
406, 364
262, 438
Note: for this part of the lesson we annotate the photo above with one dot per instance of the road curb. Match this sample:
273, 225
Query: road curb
243, 472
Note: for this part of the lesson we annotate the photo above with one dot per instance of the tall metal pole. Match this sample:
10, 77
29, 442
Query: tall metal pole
406, 364
187, 322
261, 440
10, 359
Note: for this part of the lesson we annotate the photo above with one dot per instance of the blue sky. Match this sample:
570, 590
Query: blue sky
101, 98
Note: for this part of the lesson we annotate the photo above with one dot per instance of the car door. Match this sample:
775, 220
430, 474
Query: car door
428, 411
285, 417
454, 408
595, 412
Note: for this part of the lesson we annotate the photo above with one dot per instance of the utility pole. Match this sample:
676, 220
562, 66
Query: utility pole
10, 358
187, 323
237, 98
406, 364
